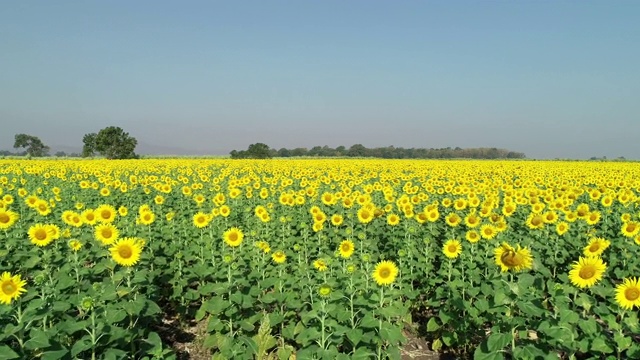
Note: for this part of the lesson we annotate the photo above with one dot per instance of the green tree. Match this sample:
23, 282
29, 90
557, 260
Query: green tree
111, 142
255, 151
33, 145
89, 147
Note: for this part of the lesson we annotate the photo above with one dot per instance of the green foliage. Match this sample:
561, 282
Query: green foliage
111, 142
33, 145
255, 151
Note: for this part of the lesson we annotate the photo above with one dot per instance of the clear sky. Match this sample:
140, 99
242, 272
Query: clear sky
547, 78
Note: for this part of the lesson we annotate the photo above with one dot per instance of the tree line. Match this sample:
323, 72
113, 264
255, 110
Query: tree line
111, 142
263, 151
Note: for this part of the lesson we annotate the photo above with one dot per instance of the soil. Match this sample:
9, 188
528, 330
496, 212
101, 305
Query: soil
187, 340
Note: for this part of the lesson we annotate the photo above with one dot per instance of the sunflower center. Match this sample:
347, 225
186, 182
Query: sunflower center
8, 288
452, 248
125, 252
41, 234
346, 247
632, 294
594, 247
106, 214
233, 237
587, 272
536, 221
510, 258
107, 233
384, 273
4, 218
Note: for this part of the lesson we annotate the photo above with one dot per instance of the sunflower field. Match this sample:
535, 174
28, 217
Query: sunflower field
319, 259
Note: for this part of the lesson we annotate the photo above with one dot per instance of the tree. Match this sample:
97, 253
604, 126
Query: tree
111, 142
89, 147
255, 151
33, 145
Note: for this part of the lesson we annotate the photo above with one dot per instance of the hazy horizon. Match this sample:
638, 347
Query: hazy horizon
549, 79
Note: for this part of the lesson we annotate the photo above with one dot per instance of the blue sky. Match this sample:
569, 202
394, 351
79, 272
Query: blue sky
548, 78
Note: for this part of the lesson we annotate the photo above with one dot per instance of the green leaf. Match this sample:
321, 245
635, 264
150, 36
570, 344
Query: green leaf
482, 353
482, 305
432, 325
589, 326
362, 354
369, 322
530, 352
444, 317
38, 339
498, 341
355, 335
600, 345
54, 354
623, 342
391, 334
532, 308
6, 353
81, 345
307, 336
114, 354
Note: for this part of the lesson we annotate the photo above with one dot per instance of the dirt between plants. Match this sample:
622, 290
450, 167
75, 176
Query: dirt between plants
187, 342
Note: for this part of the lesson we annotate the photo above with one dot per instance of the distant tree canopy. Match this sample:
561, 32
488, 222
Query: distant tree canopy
111, 142
255, 151
389, 152
32, 144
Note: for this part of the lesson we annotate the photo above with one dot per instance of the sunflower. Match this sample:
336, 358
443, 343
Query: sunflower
54, 230
562, 228
472, 236
320, 265
89, 217
587, 271
596, 246
279, 257
627, 293
107, 234
393, 219
233, 237
11, 287
324, 290
472, 220
550, 217
488, 232
7, 219
201, 219
510, 258
123, 210
630, 229
105, 213
336, 220
453, 219
126, 251
535, 221
74, 244
42, 207
592, 218
225, 210
385, 273
346, 249
40, 235
147, 218
452, 249
365, 215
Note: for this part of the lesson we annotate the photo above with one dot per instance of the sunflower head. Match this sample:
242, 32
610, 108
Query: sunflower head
11, 287
385, 273
346, 249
